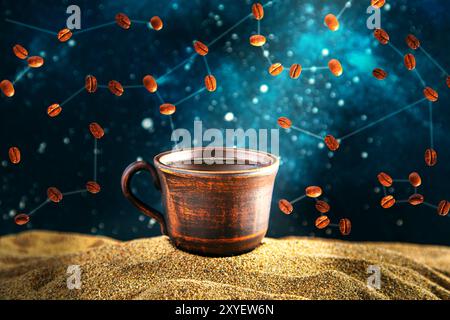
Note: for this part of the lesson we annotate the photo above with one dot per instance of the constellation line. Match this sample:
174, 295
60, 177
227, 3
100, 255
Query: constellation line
21, 74
31, 27
223, 34
190, 96
430, 113
307, 132
159, 97
192, 57
420, 77
72, 96
74, 192
266, 56
395, 49
135, 86
402, 55
382, 119
430, 205
38, 207
298, 199
207, 65
347, 5
95, 27
172, 126
139, 21
95, 159
433, 61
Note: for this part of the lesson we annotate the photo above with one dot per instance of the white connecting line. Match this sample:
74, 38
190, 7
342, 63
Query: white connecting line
107, 24
369, 125
69, 193
415, 69
381, 119
347, 5
298, 199
434, 61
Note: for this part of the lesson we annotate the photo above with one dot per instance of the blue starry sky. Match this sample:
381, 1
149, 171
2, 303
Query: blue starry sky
59, 152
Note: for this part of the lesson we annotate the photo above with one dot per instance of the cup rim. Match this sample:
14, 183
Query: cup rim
269, 168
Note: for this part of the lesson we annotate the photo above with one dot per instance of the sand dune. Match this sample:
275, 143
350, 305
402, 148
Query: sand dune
33, 265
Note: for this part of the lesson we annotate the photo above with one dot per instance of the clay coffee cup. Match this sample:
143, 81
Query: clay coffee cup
215, 204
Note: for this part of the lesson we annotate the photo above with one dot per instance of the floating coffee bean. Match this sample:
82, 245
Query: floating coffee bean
7, 88
431, 94
285, 206
380, 74
14, 155
412, 42
430, 157
313, 191
335, 67
275, 69
54, 195
443, 208
167, 109
322, 206
156, 23
20, 52
331, 142
257, 40
21, 219
410, 61
35, 61
295, 71
345, 226
54, 110
415, 179
210, 83
416, 199
387, 202
64, 35
382, 36
115, 87
322, 222
258, 11
448, 81
332, 22
201, 48
90, 84
123, 21
377, 3
385, 179
284, 122
93, 187
150, 83
96, 130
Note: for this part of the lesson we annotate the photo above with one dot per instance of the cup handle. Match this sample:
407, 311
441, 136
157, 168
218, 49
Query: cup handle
127, 176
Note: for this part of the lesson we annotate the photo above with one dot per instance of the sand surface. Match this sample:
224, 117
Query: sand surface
33, 265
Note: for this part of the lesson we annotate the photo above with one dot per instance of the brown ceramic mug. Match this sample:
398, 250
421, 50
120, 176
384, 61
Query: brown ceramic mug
211, 209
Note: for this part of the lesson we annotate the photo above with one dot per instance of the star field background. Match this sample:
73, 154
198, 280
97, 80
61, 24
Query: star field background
59, 151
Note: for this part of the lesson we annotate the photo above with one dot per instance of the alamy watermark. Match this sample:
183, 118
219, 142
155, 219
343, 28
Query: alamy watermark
374, 20
374, 280
74, 20
216, 142
74, 278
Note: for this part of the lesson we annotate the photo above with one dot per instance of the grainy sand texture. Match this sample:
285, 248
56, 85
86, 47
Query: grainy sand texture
33, 265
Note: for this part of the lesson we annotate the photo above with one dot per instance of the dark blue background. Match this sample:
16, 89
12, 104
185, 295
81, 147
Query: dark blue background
323, 105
